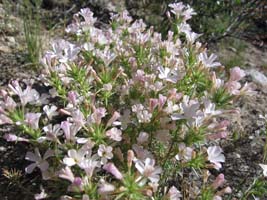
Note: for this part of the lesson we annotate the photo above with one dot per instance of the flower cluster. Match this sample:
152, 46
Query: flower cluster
128, 112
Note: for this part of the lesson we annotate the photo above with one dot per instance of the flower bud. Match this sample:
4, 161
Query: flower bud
130, 158
111, 168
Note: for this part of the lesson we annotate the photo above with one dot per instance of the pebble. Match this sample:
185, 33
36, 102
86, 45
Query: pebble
258, 78
3, 149
5, 49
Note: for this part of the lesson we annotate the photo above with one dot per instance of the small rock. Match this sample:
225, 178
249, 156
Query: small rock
2, 149
11, 39
258, 77
237, 155
5, 49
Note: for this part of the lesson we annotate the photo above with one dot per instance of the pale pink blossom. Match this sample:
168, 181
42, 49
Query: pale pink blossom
215, 156
70, 130
97, 115
74, 157
105, 152
105, 188
208, 62
142, 137
67, 174
73, 98
148, 169
5, 120
13, 138
168, 74
233, 87
185, 153
88, 16
52, 132
114, 134
27, 95
38, 160
8, 103
32, 120
90, 163
50, 111
189, 109
78, 118
174, 194
236, 74
115, 116
141, 153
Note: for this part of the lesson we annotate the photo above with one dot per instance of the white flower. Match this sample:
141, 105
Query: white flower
105, 153
167, 74
210, 108
105, 188
174, 194
89, 164
215, 156
38, 160
42, 195
264, 167
148, 170
142, 138
50, 111
189, 109
208, 61
74, 157
114, 134
26, 96
32, 119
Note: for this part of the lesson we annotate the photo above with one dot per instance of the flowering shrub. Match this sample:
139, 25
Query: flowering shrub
128, 115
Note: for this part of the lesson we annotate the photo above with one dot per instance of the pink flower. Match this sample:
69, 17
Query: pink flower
14, 138
208, 61
52, 132
78, 118
39, 162
5, 120
148, 170
73, 98
8, 103
236, 74
105, 188
215, 156
27, 95
142, 138
88, 16
97, 115
70, 130
111, 168
168, 74
74, 157
114, 134
174, 194
233, 87
50, 111
113, 119
89, 164
67, 174
32, 119
185, 153
105, 153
